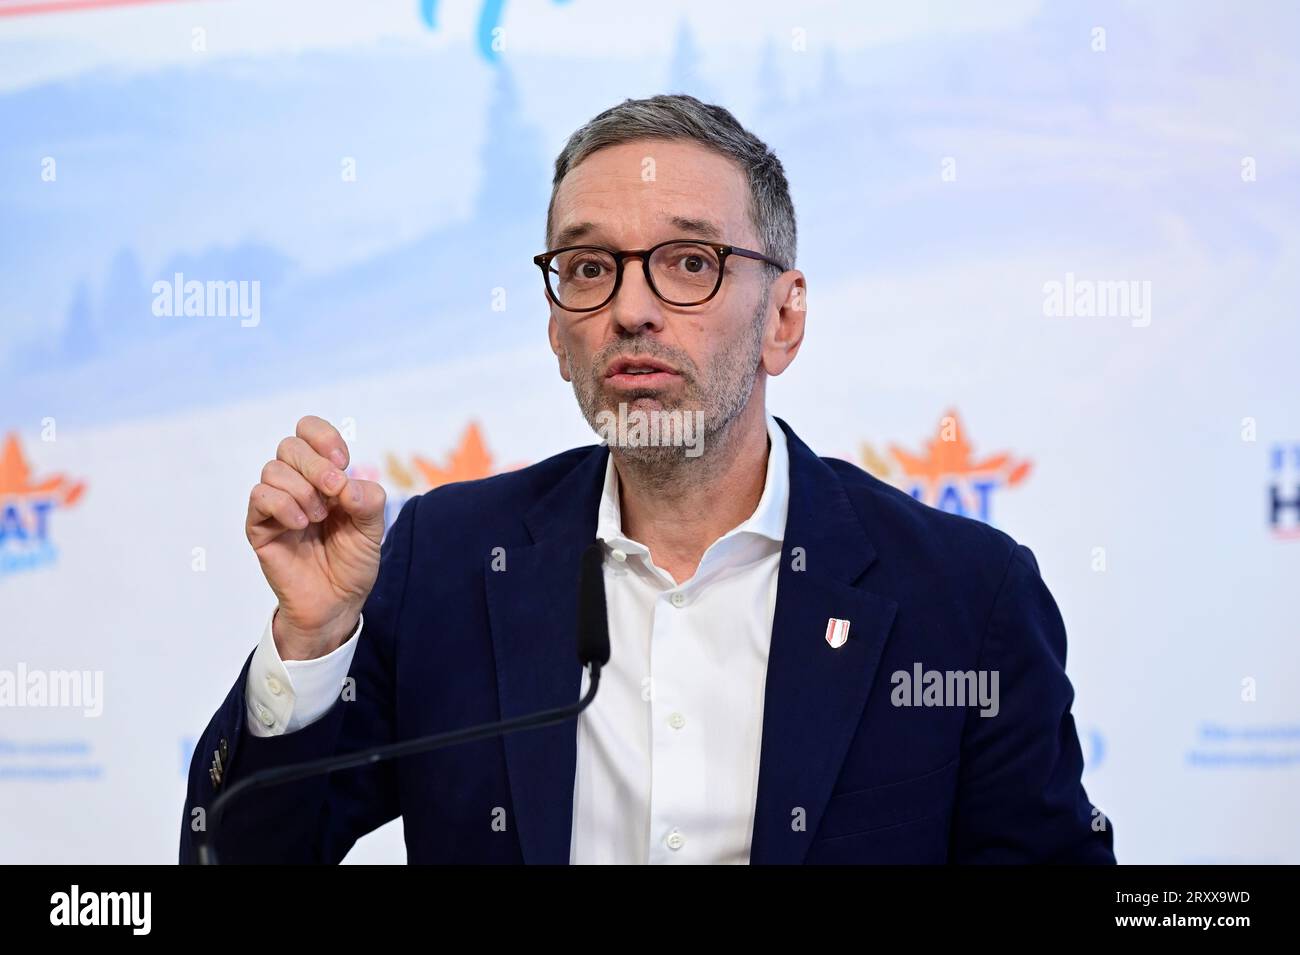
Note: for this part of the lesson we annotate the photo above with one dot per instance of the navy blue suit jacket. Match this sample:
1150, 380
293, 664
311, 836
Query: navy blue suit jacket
449, 642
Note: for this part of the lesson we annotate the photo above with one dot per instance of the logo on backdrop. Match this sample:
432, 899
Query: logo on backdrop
468, 461
1284, 491
947, 474
27, 505
490, 33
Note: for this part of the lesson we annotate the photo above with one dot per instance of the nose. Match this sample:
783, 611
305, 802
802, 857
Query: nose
636, 309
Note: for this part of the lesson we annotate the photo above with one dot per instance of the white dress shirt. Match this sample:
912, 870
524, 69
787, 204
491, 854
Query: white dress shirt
668, 753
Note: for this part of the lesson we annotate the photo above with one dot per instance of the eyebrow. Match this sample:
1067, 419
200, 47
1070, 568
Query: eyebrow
698, 227
569, 234
701, 228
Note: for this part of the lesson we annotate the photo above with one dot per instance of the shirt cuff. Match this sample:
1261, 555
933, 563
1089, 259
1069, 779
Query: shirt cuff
285, 695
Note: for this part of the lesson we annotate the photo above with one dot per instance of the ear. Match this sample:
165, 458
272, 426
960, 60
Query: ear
553, 333
787, 310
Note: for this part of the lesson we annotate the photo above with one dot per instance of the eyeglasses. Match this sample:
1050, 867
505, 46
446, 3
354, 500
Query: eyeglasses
584, 278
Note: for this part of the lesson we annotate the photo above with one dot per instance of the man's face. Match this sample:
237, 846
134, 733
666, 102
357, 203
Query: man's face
706, 357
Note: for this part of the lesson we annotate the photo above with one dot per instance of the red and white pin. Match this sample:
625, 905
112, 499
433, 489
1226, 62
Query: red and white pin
837, 631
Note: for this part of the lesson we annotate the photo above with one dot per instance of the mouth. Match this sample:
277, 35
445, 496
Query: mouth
634, 372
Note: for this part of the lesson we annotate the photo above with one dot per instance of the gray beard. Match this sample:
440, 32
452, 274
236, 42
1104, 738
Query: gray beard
721, 394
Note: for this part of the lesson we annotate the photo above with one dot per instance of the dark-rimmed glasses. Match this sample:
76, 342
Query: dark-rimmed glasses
682, 272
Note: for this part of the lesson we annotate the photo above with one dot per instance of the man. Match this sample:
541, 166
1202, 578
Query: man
767, 608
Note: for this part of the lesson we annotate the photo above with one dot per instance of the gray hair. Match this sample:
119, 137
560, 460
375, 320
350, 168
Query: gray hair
682, 117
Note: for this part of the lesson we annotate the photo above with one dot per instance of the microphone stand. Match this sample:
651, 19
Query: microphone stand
327, 764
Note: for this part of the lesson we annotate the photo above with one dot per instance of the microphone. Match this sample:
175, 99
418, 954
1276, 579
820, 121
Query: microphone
593, 653
593, 620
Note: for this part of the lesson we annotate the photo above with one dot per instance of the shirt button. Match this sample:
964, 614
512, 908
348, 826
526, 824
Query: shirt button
274, 685
675, 840
679, 599
618, 555
265, 715
677, 721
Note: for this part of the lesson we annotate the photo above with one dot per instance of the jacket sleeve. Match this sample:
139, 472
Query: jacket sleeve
315, 820
1020, 797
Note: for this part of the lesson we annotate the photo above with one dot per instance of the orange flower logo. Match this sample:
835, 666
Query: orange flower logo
947, 474
16, 478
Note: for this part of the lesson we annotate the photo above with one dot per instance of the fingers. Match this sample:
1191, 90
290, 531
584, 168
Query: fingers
305, 480
270, 511
324, 439
318, 470
364, 503
279, 475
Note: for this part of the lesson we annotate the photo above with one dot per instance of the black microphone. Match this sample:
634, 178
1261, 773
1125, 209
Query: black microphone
593, 621
593, 653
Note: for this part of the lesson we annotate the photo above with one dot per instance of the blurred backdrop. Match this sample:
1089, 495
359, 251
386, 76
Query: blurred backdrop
1053, 260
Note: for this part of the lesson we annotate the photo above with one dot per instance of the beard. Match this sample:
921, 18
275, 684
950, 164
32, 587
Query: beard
719, 392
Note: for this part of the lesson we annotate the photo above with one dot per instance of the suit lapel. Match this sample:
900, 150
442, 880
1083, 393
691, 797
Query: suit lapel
532, 608
815, 694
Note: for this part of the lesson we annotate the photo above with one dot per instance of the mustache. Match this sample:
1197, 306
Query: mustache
670, 356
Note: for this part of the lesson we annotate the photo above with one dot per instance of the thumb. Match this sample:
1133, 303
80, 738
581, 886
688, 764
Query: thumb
363, 501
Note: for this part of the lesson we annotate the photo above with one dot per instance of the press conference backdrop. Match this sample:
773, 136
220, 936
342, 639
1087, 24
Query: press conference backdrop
1053, 260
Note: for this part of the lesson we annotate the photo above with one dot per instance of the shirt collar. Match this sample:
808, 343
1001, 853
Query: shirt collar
768, 519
